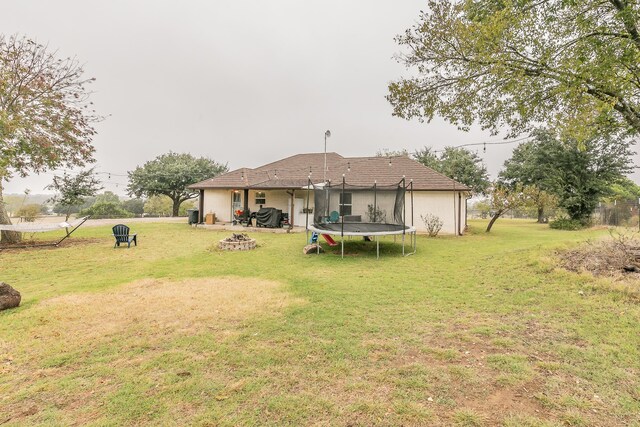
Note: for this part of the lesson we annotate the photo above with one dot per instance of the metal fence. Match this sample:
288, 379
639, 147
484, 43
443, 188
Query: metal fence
618, 213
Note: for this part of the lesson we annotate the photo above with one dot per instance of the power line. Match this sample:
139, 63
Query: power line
485, 143
110, 174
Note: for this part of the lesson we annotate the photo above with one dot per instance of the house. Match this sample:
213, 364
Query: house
282, 185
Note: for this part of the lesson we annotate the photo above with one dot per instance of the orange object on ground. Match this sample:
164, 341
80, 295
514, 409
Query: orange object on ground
330, 240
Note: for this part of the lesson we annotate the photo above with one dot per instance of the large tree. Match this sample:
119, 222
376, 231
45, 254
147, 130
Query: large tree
170, 174
578, 173
515, 64
45, 115
457, 163
525, 167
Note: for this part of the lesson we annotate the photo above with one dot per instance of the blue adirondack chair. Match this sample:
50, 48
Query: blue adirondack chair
121, 234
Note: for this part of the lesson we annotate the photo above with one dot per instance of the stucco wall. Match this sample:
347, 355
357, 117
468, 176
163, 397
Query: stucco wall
443, 204
273, 199
218, 202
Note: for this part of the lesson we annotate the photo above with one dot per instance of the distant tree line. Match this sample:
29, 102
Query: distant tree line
159, 189
103, 205
109, 205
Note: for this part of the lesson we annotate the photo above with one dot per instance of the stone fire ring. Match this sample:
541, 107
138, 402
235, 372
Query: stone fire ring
244, 245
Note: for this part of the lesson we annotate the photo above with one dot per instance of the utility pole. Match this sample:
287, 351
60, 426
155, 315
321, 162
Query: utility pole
327, 134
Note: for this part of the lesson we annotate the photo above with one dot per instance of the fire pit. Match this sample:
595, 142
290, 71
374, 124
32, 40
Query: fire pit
237, 242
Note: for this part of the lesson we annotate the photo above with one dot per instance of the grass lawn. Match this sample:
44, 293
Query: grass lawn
480, 330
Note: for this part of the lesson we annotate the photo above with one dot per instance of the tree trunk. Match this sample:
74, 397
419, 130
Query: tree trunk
176, 207
494, 218
7, 236
541, 215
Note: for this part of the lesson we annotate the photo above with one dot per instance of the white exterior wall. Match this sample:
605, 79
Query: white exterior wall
219, 202
443, 204
273, 199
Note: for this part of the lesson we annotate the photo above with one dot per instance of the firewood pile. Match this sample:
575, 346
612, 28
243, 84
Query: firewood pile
238, 237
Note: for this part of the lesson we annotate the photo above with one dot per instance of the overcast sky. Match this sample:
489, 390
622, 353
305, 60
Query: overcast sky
241, 82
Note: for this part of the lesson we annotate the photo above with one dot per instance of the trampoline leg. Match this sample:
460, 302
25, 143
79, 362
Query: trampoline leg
403, 245
413, 242
342, 241
377, 248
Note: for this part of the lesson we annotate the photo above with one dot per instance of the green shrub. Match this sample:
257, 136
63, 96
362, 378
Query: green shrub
106, 210
135, 206
564, 223
30, 212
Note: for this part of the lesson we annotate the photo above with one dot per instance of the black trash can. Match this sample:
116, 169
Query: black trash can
193, 215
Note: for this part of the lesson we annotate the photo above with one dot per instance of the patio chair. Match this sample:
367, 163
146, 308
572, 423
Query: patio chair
334, 216
121, 234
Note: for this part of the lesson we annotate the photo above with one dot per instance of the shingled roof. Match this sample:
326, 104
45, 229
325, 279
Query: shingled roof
293, 172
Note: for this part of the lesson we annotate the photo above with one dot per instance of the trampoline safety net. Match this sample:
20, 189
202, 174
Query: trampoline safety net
365, 208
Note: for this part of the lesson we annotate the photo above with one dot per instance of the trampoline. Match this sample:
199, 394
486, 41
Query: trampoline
357, 210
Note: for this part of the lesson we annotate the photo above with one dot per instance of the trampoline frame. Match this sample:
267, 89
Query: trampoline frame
406, 229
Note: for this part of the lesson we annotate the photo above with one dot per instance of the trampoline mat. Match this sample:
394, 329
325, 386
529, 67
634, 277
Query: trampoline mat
361, 227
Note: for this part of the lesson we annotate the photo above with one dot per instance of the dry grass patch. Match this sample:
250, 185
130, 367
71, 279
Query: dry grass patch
29, 243
73, 348
162, 307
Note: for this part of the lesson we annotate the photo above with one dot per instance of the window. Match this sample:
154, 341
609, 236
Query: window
236, 201
261, 198
345, 204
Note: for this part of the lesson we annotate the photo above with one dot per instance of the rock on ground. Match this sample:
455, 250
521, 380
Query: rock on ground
9, 297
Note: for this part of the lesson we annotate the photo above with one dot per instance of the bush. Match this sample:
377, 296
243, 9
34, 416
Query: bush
29, 212
106, 210
188, 204
432, 223
376, 214
632, 222
135, 206
158, 206
564, 223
